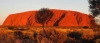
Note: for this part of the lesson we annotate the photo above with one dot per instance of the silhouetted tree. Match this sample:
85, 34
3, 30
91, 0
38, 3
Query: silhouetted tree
94, 6
43, 16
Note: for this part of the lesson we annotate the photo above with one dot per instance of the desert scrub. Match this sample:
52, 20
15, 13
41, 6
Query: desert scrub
51, 36
6, 37
23, 38
88, 34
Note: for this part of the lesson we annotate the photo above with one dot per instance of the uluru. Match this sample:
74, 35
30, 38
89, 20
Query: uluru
60, 18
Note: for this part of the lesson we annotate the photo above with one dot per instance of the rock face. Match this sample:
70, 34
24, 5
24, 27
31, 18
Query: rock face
60, 18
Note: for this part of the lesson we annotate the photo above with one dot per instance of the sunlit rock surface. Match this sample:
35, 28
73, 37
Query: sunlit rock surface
60, 18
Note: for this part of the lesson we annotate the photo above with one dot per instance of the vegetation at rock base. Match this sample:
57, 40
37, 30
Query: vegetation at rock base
53, 35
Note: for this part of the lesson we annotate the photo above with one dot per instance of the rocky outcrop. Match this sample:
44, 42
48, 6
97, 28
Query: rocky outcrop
60, 18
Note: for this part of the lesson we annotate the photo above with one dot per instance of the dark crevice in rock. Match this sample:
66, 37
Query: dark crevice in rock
29, 22
78, 18
57, 22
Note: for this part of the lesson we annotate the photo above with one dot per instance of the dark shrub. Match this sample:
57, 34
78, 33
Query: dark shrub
18, 34
85, 27
10, 27
27, 39
75, 35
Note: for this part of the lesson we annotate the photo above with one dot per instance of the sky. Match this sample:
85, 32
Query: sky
8, 7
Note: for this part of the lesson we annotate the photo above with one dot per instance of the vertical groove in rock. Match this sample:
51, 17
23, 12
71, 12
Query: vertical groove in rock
78, 18
57, 22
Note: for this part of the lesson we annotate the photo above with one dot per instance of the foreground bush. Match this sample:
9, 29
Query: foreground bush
51, 36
